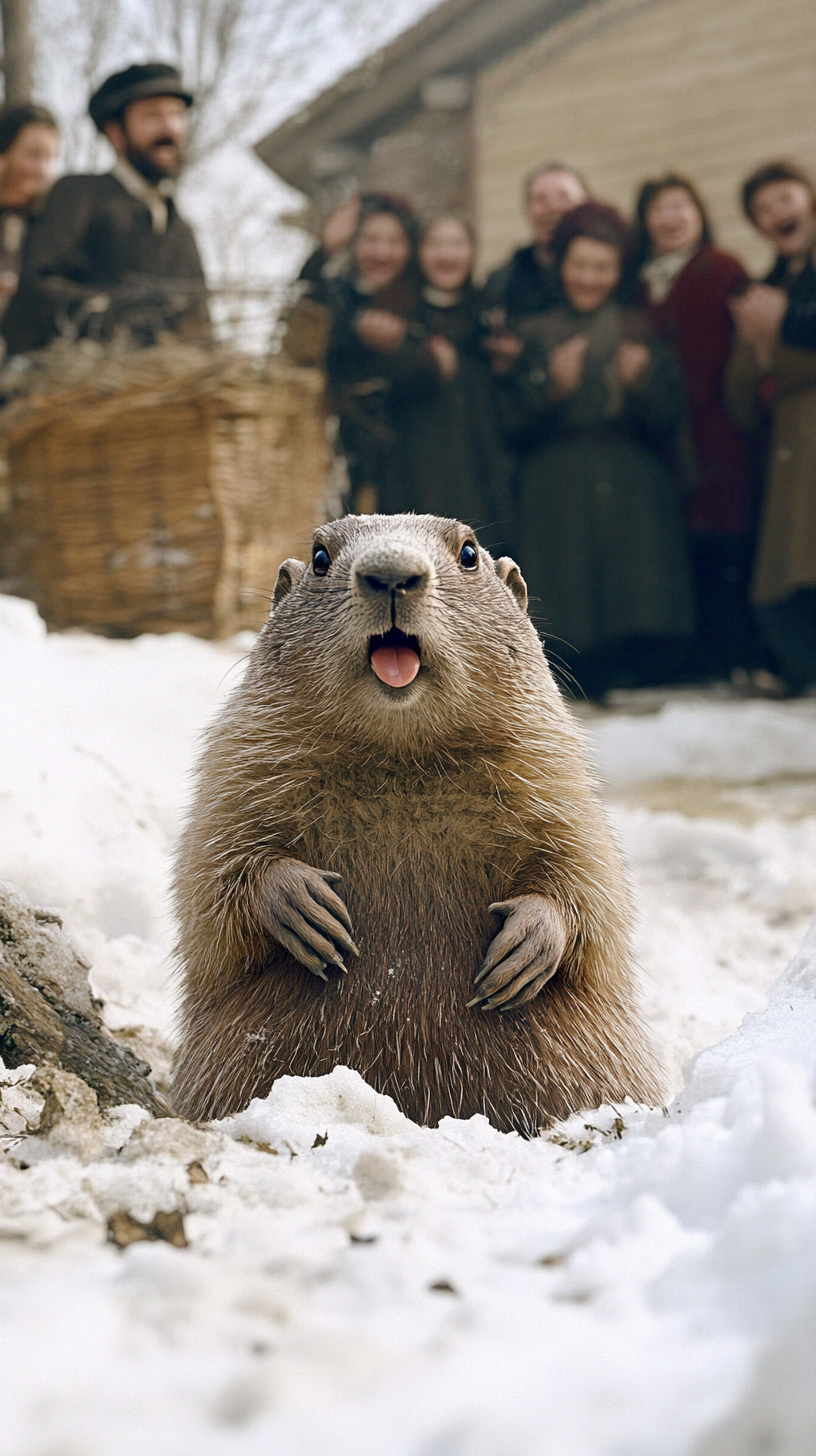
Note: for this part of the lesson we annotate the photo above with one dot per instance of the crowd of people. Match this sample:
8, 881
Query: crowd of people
620, 407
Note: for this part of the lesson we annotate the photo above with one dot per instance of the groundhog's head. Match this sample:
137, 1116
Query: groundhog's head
402, 632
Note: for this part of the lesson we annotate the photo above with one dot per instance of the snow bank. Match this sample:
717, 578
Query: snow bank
353, 1282
735, 742
97, 741
640, 1284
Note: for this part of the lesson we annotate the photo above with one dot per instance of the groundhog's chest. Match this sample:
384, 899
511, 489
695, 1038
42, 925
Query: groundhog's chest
421, 860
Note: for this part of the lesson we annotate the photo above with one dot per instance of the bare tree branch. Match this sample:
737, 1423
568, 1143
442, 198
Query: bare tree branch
232, 53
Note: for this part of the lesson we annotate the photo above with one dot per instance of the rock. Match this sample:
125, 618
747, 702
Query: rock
46, 1013
32, 938
47, 1113
70, 1116
172, 1141
123, 1229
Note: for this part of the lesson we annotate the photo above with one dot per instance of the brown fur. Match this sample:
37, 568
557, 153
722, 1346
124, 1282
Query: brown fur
432, 802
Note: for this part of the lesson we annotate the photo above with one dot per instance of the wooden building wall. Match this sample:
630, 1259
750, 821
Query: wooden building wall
428, 160
631, 88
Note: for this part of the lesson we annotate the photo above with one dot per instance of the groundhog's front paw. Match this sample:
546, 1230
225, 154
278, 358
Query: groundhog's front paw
301, 910
523, 956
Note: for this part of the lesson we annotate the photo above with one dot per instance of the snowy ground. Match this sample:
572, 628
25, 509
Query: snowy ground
616, 1290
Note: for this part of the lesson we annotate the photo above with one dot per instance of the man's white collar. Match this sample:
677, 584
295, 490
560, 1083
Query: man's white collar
153, 197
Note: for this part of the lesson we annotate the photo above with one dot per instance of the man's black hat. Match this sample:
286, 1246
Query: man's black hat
137, 82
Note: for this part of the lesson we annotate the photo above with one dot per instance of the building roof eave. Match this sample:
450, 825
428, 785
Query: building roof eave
457, 36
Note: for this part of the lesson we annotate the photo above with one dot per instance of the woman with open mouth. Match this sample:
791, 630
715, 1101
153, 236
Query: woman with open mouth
772, 380
686, 286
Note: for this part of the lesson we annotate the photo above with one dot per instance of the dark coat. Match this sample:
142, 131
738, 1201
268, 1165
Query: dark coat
363, 382
603, 546
94, 238
452, 459
694, 320
14, 225
785, 396
312, 270
799, 323
523, 286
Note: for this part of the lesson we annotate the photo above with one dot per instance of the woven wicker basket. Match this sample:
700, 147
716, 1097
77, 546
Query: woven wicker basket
162, 493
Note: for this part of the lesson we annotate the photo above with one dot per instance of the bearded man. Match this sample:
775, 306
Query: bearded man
110, 253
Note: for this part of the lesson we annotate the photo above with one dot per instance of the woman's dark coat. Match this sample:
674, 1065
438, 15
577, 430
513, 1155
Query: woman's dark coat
363, 383
452, 459
799, 323
603, 547
523, 286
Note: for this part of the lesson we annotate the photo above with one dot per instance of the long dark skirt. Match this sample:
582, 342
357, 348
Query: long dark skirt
452, 460
604, 553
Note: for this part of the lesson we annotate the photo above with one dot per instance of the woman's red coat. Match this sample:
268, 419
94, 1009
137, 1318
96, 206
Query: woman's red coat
695, 321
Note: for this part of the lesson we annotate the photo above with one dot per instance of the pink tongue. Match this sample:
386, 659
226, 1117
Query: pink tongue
396, 666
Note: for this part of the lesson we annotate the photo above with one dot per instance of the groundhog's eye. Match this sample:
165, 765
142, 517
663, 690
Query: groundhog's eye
321, 561
469, 556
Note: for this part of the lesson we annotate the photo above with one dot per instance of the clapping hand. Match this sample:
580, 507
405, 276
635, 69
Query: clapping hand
446, 357
381, 329
504, 349
632, 360
758, 316
567, 364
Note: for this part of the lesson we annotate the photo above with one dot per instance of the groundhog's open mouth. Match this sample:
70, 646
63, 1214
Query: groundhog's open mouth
394, 658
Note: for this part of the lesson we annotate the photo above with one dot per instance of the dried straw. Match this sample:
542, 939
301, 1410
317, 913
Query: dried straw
159, 490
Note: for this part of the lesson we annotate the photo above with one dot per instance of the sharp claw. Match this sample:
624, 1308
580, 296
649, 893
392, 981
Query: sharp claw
495, 1002
522, 997
336, 961
342, 946
321, 974
343, 919
483, 973
490, 966
474, 1002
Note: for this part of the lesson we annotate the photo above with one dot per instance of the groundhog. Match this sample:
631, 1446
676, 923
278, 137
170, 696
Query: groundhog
396, 858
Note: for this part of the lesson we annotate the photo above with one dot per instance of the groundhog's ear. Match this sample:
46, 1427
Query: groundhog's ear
508, 572
288, 576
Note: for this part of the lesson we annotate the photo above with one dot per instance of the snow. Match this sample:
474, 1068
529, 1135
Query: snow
710, 740
641, 1283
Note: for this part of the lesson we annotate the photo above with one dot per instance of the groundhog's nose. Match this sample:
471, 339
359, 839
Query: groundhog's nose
386, 567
